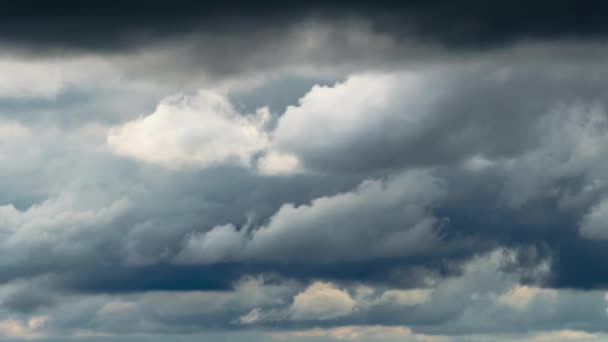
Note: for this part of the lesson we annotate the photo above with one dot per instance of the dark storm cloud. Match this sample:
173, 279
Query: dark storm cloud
116, 25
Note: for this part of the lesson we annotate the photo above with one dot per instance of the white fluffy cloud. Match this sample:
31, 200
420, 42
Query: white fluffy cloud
322, 301
192, 130
364, 112
377, 120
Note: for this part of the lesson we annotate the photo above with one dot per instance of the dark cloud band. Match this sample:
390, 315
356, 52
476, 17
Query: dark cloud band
119, 25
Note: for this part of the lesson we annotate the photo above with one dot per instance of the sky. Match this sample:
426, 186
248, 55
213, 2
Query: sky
303, 171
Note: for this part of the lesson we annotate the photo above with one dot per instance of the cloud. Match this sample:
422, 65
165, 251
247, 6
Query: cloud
322, 301
10, 130
593, 225
201, 130
219, 244
23, 80
202, 218
252, 317
22, 330
444, 180
466, 25
565, 335
276, 163
394, 216
519, 297
460, 308
430, 117
361, 333
406, 297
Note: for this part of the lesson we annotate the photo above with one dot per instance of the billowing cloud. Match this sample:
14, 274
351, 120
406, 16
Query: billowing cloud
379, 120
202, 130
396, 216
414, 171
322, 301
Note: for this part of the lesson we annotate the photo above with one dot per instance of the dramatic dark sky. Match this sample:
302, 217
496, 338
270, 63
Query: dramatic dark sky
309, 171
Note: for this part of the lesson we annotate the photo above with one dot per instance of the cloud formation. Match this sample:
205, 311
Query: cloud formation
202, 130
311, 171
334, 228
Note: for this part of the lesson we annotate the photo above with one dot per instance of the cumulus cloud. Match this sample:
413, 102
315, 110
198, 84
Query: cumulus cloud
387, 219
366, 118
443, 181
51, 235
322, 301
388, 120
252, 317
62, 212
201, 130
49, 224
219, 244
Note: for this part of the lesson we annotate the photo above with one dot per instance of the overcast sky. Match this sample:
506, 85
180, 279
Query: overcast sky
308, 171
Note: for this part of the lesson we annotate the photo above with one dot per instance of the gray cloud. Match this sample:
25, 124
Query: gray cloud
444, 179
119, 25
162, 208
452, 309
335, 228
429, 118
